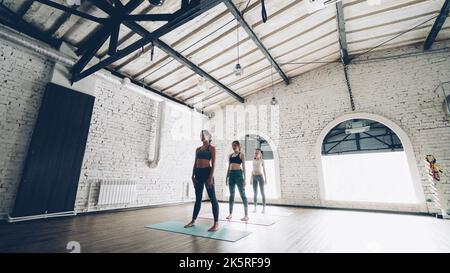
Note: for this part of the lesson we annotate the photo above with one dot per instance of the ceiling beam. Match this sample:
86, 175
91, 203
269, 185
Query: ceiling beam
15, 21
101, 37
150, 17
96, 42
45, 38
127, 36
114, 39
149, 88
24, 8
177, 56
240, 18
182, 17
437, 26
61, 20
342, 34
184, 61
73, 11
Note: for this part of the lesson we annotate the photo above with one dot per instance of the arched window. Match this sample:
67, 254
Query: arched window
364, 160
249, 143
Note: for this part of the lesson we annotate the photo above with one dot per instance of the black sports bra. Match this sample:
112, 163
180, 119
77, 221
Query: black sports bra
204, 154
236, 159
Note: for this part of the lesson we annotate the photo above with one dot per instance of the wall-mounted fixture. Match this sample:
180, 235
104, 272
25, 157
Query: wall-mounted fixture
126, 81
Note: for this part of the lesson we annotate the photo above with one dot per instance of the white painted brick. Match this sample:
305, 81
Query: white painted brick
122, 129
123, 125
401, 90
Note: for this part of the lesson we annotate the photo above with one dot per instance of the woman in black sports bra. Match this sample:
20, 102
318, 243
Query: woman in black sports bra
203, 174
236, 177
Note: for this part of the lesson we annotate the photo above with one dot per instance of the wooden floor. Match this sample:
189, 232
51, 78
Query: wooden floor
306, 230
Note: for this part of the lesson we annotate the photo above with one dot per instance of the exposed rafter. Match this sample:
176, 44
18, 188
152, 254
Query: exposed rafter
240, 18
103, 34
184, 15
342, 34
73, 11
437, 26
30, 30
183, 60
114, 39
149, 88
24, 8
58, 23
127, 36
150, 17
12, 20
196, 69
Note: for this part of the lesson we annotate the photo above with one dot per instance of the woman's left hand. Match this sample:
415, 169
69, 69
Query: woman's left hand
210, 182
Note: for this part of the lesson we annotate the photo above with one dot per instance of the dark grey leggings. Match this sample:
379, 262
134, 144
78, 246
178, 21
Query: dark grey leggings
201, 177
236, 178
258, 180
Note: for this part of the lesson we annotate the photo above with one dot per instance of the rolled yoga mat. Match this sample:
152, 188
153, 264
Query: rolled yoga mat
223, 234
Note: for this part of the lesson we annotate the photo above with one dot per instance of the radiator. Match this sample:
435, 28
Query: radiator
116, 192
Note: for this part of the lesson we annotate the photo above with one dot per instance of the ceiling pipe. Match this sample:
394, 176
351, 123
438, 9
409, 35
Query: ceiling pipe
17, 38
153, 162
57, 56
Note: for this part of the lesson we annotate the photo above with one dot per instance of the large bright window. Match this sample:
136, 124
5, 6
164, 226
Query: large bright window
364, 161
369, 177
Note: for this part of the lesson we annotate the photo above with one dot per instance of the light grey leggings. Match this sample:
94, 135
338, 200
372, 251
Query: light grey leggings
258, 180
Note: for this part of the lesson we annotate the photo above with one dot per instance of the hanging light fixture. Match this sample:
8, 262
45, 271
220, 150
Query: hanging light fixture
238, 70
202, 85
274, 100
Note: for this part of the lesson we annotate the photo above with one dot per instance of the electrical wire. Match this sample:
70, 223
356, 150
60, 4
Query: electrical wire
237, 36
200, 40
310, 62
395, 37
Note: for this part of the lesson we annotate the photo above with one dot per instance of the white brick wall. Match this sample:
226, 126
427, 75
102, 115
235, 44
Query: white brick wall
123, 125
121, 133
122, 128
401, 90
23, 77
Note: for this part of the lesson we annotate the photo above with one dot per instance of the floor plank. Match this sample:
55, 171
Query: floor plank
305, 230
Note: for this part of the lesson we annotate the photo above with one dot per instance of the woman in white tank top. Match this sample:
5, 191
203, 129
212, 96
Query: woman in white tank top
258, 179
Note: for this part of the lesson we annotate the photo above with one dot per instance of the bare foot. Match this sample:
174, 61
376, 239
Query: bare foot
215, 227
229, 217
245, 219
191, 224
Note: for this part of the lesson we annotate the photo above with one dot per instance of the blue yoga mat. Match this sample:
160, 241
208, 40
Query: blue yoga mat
223, 234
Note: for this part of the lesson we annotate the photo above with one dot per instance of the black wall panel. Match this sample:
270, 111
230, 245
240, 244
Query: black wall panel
52, 168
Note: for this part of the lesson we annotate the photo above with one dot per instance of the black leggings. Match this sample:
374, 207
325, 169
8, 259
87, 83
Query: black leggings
201, 177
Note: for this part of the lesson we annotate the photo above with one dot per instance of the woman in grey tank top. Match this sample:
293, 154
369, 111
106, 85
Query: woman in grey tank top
258, 179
